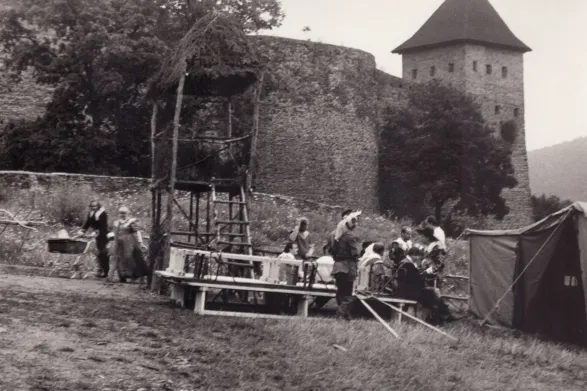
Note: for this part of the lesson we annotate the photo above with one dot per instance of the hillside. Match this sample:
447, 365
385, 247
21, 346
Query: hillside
560, 170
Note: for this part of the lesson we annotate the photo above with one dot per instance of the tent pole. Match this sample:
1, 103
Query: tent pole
496, 306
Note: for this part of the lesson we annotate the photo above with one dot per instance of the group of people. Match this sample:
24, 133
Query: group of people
407, 270
119, 250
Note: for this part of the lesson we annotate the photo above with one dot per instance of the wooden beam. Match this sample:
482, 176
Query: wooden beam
173, 172
414, 318
25, 224
213, 139
153, 147
372, 311
254, 134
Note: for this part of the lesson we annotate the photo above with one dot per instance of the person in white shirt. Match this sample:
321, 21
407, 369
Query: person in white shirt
438, 232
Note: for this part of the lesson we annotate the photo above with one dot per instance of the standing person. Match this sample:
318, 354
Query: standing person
127, 249
327, 247
300, 236
346, 249
399, 248
97, 220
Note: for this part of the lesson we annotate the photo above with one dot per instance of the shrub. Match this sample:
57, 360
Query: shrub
67, 204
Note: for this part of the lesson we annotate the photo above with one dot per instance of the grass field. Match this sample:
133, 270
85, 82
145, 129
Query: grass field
72, 335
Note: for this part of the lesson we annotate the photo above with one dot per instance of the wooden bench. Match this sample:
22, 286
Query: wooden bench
203, 285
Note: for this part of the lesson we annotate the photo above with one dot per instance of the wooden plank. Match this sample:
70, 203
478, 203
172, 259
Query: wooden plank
230, 202
193, 233
450, 297
416, 319
236, 222
234, 243
274, 289
464, 278
372, 311
249, 315
23, 223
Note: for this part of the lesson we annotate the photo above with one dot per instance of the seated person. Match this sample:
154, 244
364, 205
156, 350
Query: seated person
371, 274
434, 255
411, 285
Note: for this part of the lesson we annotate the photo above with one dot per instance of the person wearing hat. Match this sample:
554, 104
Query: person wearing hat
97, 220
127, 253
346, 249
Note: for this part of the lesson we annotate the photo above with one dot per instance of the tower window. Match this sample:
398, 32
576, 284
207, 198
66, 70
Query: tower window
497, 109
414, 73
571, 281
516, 112
451, 67
475, 66
504, 72
488, 69
432, 71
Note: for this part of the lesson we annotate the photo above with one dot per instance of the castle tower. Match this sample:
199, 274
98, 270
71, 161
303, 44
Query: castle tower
466, 43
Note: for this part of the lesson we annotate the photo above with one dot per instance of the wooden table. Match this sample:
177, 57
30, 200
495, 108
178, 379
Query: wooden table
202, 285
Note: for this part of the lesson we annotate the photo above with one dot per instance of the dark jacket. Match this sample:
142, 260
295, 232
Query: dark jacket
409, 281
346, 252
99, 224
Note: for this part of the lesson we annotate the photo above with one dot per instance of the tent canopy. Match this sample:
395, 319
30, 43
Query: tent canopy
544, 264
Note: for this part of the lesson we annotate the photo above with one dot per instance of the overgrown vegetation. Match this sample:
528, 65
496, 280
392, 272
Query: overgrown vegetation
100, 55
66, 206
544, 205
437, 154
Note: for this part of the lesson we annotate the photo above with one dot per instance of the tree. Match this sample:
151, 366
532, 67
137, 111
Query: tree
543, 205
100, 55
438, 152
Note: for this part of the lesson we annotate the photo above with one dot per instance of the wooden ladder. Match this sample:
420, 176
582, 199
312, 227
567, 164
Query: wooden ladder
238, 219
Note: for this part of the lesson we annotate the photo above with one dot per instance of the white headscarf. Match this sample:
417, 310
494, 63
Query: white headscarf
369, 254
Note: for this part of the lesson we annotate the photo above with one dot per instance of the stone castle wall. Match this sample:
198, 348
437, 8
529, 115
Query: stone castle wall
318, 136
320, 117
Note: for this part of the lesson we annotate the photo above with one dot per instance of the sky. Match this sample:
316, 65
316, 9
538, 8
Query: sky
555, 74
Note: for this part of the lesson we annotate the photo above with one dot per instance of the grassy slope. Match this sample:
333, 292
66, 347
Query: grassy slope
271, 223
53, 331
81, 335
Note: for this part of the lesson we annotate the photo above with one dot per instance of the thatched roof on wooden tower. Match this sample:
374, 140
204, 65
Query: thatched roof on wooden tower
217, 56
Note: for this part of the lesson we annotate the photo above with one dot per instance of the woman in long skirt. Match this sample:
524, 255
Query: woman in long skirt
127, 255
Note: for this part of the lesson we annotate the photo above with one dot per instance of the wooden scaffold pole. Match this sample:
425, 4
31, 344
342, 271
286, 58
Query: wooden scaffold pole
163, 261
154, 237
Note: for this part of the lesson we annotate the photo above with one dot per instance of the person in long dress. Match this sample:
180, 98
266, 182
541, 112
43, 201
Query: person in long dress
127, 255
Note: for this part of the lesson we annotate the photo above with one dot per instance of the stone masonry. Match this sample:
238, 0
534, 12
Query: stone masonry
500, 95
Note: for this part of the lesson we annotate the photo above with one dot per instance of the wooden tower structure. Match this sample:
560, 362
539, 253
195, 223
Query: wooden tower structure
202, 155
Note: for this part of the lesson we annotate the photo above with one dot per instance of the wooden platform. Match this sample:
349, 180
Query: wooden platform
182, 284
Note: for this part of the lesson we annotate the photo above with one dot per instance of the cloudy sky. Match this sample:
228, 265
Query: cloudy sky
555, 70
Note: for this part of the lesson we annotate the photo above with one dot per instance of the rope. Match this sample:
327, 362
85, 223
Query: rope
496, 306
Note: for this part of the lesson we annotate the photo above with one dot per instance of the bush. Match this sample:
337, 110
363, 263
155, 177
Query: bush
543, 205
68, 204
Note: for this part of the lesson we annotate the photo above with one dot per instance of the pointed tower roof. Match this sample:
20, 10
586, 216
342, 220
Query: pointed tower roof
459, 21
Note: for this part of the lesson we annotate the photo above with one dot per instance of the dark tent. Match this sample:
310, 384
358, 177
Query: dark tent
545, 264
